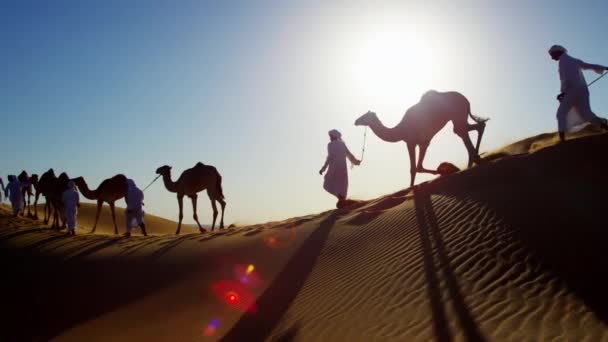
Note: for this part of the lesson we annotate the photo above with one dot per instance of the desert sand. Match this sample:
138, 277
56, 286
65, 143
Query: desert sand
513, 249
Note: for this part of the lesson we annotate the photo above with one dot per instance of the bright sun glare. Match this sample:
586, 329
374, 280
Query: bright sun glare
393, 64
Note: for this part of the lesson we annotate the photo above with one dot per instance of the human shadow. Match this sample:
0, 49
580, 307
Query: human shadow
437, 267
274, 302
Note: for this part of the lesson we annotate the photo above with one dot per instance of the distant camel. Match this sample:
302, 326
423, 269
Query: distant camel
44, 187
110, 190
60, 185
192, 181
26, 192
423, 120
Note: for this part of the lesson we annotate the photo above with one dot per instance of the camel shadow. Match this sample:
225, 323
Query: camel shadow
549, 201
274, 302
436, 265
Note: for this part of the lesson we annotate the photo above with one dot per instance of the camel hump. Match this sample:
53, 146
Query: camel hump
199, 164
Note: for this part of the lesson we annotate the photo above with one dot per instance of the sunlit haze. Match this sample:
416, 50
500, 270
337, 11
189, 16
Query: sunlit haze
97, 88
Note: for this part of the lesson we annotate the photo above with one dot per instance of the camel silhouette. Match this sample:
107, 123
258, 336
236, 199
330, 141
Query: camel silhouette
109, 191
191, 182
423, 120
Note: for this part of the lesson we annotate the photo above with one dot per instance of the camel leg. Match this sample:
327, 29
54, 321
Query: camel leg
195, 216
473, 157
214, 207
480, 127
113, 217
36, 204
411, 148
99, 204
180, 203
29, 205
47, 208
421, 156
223, 204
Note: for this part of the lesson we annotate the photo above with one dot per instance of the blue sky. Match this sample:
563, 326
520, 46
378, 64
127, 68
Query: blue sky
98, 88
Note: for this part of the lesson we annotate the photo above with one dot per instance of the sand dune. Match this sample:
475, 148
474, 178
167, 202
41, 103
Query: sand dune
513, 249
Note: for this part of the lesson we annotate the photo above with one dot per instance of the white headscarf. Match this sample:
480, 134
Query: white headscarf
334, 133
557, 48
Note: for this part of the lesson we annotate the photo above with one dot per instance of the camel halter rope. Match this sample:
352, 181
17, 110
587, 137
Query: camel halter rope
362, 148
597, 79
364, 141
152, 182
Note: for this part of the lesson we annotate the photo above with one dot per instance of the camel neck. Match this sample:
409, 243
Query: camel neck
385, 133
169, 184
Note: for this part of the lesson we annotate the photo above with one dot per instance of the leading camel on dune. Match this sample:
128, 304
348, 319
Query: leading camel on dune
26, 192
423, 120
110, 190
44, 187
192, 181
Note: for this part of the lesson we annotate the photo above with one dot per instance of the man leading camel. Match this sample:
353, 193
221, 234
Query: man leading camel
336, 178
574, 92
71, 202
135, 213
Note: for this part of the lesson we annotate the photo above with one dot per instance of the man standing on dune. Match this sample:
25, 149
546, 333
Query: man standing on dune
336, 178
71, 202
574, 92
135, 213
14, 192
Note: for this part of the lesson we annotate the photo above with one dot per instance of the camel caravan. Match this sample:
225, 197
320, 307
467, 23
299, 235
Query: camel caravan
60, 208
419, 125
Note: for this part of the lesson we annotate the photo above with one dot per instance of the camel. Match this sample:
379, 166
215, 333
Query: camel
192, 181
56, 195
110, 190
423, 120
26, 192
44, 187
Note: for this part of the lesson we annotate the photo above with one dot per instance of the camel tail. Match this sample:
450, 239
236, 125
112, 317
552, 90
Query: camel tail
218, 184
477, 118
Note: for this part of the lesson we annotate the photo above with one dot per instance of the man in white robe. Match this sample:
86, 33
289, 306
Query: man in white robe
574, 108
14, 192
71, 202
336, 178
135, 213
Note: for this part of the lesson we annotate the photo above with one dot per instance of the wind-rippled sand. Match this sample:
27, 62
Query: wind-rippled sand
514, 249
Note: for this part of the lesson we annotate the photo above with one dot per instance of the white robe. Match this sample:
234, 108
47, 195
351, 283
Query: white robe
336, 178
15, 195
574, 110
135, 212
71, 198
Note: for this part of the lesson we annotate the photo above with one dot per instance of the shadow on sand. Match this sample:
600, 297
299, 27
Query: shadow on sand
46, 295
437, 266
553, 201
274, 302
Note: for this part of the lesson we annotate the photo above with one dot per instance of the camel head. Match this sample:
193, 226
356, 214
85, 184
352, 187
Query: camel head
163, 170
366, 119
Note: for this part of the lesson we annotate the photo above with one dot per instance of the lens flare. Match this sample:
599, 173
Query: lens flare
211, 328
234, 295
281, 238
247, 276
